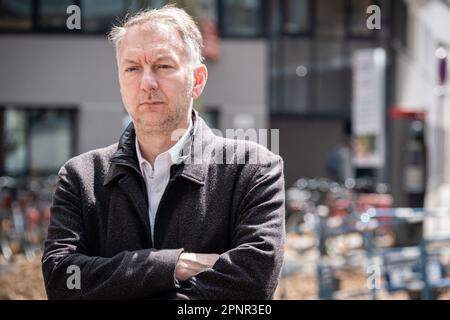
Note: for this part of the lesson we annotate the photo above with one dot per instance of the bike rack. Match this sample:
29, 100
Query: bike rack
404, 268
24, 215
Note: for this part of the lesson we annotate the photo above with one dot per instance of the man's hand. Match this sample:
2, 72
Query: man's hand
190, 264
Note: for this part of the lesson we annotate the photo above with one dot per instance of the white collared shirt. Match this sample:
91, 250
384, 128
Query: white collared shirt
157, 177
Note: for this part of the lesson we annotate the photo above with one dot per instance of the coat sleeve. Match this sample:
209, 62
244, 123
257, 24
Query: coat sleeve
251, 269
70, 273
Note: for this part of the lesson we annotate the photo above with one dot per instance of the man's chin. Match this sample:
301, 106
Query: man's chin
154, 127
152, 119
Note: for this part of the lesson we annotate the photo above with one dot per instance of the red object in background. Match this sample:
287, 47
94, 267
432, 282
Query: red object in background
33, 217
364, 201
7, 201
373, 200
401, 113
211, 44
339, 207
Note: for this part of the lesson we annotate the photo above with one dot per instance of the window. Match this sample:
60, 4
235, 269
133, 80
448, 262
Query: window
52, 13
311, 57
296, 17
199, 9
241, 18
332, 78
329, 17
49, 137
291, 76
14, 145
35, 141
99, 15
310, 77
208, 8
399, 24
357, 18
15, 15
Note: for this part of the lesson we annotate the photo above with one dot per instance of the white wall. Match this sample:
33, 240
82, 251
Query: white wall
238, 83
429, 22
64, 71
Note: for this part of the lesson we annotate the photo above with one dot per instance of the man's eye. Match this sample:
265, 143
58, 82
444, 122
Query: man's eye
164, 66
131, 69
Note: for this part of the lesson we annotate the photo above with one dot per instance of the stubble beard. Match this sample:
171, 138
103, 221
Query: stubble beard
171, 121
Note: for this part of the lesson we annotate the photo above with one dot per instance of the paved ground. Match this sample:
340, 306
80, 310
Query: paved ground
22, 279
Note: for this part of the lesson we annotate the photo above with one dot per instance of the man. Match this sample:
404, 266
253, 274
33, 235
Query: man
171, 211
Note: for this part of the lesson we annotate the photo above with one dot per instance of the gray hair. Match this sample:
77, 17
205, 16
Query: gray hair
176, 17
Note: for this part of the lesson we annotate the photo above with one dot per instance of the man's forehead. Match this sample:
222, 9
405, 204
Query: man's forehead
155, 26
152, 35
157, 51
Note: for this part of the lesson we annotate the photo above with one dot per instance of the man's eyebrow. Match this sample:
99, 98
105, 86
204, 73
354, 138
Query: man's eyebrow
165, 57
130, 61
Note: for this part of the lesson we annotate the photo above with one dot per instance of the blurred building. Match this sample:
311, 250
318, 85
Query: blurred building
422, 87
312, 45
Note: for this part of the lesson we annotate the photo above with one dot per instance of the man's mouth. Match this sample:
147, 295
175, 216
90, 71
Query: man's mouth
151, 103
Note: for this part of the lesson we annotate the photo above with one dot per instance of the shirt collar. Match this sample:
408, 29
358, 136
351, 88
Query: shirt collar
175, 151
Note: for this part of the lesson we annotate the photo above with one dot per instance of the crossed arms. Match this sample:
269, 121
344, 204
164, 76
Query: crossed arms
250, 270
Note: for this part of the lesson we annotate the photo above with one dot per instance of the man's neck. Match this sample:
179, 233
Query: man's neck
153, 145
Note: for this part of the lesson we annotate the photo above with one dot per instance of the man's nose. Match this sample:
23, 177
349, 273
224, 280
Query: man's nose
149, 82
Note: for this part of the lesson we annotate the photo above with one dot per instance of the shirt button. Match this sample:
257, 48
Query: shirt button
150, 172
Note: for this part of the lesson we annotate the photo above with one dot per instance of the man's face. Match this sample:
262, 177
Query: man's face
156, 78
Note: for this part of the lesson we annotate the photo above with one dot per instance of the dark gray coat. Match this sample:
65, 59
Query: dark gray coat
99, 223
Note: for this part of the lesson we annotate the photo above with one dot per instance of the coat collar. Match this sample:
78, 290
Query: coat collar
190, 168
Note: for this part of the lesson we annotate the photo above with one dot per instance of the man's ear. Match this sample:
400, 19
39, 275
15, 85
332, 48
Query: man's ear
200, 78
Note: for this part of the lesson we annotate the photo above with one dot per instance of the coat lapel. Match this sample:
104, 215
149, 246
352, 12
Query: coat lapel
200, 152
136, 196
133, 187
125, 170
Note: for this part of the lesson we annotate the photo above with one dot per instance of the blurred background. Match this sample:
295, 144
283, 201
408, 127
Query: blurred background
357, 89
